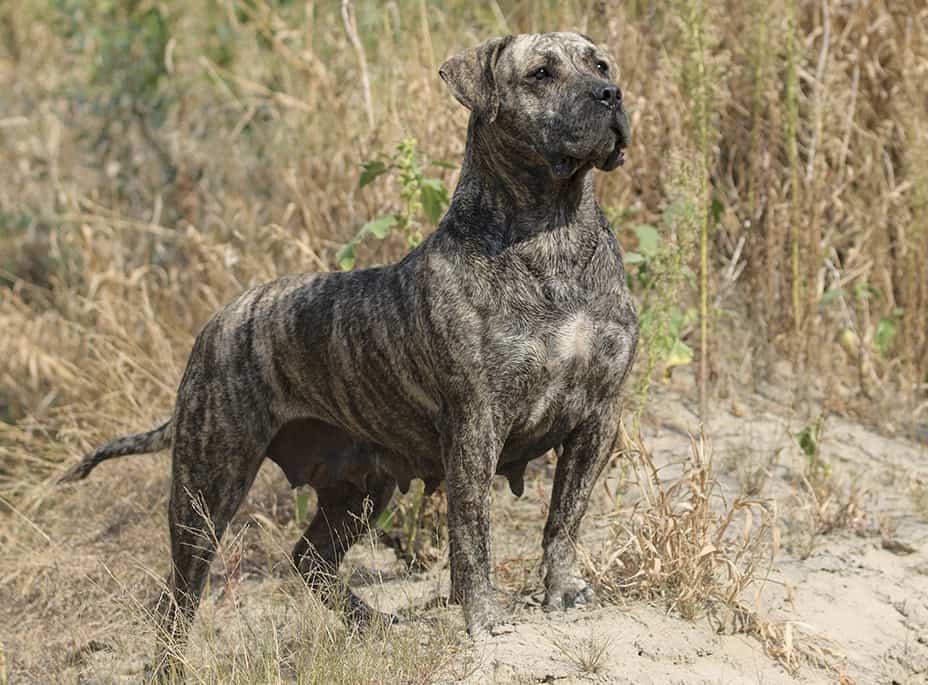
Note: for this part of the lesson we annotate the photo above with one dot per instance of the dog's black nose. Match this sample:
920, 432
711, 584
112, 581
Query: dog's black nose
608, 94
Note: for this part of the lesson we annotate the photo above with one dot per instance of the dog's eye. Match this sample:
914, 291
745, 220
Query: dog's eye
540, 74
603, 67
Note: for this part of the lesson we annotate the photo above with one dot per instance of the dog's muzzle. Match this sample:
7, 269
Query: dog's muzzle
609, 95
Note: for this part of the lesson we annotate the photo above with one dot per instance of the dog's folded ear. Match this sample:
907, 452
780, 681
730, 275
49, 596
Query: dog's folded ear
471, 76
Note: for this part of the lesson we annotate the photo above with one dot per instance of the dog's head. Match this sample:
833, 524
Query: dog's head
554, 92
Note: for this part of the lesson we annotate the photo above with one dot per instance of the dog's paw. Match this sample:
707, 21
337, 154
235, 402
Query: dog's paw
503, 628
567, 593
485, 615
365, 617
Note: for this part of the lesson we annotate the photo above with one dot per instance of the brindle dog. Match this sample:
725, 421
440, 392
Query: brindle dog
507, 333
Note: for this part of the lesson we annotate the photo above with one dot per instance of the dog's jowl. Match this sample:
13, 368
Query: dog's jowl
505, 334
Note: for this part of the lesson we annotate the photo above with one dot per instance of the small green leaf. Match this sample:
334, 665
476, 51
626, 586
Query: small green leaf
345, 257
372, 170
717, 208
442, 164
864, 291
648, 238
680, 354
808, 441
434, 196
384, 522
675, 321
302, 506
831, 294
379, 227
690, 316
633, 258
884, 336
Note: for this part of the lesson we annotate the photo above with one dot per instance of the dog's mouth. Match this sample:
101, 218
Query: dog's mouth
615, 159
566, 166
616, 156
607, 154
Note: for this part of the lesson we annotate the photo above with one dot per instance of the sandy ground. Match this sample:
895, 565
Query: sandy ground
858, 594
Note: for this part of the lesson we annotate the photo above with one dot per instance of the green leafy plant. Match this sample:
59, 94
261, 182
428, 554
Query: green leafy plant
415, 525
886, 328
648, 240
127, 42
818, 471
301, 498
664, 326
421, 198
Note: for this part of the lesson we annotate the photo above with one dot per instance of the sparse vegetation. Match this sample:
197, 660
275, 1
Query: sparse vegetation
588, 656
685, 547
824, 501
678, 544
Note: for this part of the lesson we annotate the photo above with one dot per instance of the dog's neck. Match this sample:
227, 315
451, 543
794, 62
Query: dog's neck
509, 183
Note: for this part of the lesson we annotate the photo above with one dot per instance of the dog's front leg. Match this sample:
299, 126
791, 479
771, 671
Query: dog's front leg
585, 453
470, 455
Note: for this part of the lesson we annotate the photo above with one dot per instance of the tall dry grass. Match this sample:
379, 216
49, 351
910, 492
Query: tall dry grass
805, 119
161, 157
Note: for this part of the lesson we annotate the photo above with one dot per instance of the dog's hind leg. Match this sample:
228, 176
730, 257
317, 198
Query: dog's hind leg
345, 511
210, 478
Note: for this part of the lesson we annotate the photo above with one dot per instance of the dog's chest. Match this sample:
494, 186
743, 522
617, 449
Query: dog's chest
560, 382
570, 344
560, 367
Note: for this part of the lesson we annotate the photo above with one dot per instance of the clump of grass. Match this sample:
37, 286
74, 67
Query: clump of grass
825, 502
751, 471
822, 509
680, 544
415, 525
588, 656
684, 546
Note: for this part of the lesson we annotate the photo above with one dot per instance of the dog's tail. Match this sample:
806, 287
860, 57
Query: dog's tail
142, 443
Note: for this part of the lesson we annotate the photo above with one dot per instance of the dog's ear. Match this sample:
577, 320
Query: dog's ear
471, 76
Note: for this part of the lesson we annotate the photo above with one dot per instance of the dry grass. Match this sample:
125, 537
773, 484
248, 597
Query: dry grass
683, 546
587, 656
837, 504
253, 94
824, 499
258, 623
294, 638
